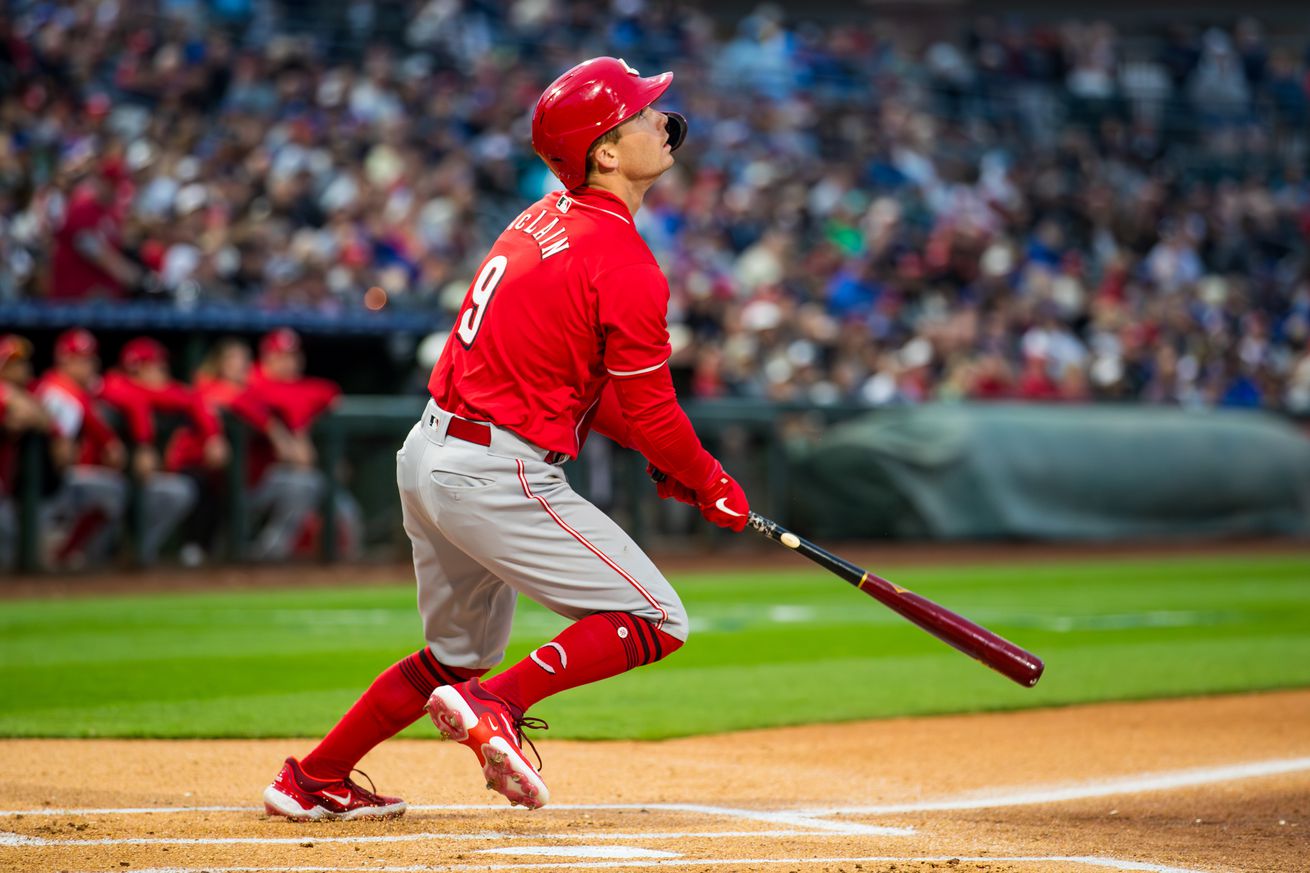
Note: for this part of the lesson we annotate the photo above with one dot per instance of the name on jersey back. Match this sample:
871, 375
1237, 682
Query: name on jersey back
551, 236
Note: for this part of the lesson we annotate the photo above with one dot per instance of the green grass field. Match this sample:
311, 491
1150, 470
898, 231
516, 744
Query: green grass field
768, 648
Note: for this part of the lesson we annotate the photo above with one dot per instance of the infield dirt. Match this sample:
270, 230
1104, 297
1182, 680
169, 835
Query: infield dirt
776, 796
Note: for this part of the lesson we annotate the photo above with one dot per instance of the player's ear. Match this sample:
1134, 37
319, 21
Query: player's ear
606, 156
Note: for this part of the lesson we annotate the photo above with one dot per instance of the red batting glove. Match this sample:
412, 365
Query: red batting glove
724, 503
666, 486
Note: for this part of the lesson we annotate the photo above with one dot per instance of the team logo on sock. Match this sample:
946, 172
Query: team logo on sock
563, 657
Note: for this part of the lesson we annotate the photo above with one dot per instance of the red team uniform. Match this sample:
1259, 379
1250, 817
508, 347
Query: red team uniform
93, 493
563, 331
563, 326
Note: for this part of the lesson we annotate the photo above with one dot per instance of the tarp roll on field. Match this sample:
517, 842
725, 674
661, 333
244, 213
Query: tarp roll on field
1091, 472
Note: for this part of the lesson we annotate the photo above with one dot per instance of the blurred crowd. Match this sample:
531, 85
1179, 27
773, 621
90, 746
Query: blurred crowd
867, 211
133, 437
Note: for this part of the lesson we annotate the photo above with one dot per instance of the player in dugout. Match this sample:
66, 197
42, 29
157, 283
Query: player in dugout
288, 486
141, 390
20, 414
221, 383
562, 332
86, 454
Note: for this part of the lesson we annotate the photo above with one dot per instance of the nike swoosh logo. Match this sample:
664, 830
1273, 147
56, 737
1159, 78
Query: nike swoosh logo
344, 801
722, 506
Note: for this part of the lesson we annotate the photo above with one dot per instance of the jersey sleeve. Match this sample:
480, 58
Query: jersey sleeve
609, 420
133, 403
634, 305
64, 410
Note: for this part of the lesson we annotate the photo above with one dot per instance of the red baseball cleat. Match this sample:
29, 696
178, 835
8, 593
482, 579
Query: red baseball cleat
300, 798
468, 713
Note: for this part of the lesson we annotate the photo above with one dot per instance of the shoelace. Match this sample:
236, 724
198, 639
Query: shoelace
531, 723
354, 786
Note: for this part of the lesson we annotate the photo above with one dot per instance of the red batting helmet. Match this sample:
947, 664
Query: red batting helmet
587, 102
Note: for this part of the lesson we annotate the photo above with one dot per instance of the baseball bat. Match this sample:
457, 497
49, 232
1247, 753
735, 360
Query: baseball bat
955, 630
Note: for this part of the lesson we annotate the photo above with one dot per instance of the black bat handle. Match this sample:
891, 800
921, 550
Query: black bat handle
779, 534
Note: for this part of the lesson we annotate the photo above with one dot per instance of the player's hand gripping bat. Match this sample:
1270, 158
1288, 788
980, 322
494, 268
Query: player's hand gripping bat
955, 630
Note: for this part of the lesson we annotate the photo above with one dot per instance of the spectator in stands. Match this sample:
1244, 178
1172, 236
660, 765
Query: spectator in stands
87, 455
832, 154
140, 391
20, 414
87, 260
1218, 87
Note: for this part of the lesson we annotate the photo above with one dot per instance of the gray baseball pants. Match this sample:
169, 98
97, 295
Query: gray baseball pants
90, 487
490, 522
168, 498
288, 495
8, 533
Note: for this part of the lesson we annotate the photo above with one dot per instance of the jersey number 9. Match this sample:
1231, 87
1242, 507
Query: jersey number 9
483, 287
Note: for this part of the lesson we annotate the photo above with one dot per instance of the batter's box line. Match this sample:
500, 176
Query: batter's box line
13, 840
786, 823
649, 863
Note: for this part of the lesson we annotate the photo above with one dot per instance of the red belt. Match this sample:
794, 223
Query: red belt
478, 433
470, 431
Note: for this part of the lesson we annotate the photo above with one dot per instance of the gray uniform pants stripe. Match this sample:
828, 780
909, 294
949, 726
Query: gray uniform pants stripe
489, 523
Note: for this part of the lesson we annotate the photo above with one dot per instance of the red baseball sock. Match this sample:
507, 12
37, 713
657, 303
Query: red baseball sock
392, 703
594, 648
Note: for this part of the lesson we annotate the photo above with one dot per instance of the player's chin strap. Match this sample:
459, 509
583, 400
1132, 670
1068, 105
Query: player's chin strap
677, 129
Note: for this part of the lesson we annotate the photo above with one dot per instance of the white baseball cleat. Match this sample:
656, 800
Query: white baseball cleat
469, 714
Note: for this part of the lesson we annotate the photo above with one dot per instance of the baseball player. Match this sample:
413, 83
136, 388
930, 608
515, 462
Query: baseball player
139, 390
562, 332
20, 413
290, 487
85, 449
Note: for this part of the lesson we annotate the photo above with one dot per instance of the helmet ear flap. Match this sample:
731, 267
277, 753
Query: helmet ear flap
676, 125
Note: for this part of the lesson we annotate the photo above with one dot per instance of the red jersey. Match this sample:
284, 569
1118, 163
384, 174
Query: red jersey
569, 297
72, 276
186, 448
138, 402
74, 416
297, 402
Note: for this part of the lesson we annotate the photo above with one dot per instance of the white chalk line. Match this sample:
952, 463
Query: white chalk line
811, 817
806, 818
648, 863
11, 839
1082, 791
786, 824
